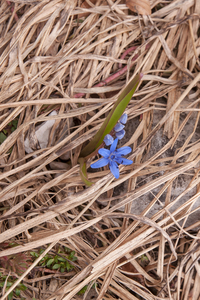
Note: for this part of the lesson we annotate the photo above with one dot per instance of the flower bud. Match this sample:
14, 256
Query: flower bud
108, 140
123, 118
120, 134
118, 127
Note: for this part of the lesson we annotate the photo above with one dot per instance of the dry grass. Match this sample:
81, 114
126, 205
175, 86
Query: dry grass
53, 53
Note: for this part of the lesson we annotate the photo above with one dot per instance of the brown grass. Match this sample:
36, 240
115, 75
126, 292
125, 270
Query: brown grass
58, 55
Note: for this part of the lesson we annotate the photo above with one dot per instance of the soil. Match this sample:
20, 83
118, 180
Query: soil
180, 183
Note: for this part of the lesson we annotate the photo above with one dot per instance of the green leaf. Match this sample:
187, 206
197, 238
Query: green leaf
22, 287
83, 290
144, 257
10, 296
2, 137
74, 258
113, 117
69, 266
62, 270
61, 259
56, 266
94, 285
71, 254
34, 254
8, 284
83, 172
14, 124
50, 261
17, 292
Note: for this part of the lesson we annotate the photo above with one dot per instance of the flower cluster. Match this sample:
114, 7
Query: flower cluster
119, 130
113, 157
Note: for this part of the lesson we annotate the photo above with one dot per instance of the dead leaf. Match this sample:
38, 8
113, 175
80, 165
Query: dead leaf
85, 4
131, 269
139, 6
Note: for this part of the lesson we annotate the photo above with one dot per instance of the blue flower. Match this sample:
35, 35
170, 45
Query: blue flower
119, 130
120, 134
112, 158
108, 139
118, 127
123, 118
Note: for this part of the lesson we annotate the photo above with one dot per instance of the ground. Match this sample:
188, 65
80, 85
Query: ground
63, 65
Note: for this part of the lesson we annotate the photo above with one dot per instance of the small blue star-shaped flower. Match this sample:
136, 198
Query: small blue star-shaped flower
112, 158
119, 127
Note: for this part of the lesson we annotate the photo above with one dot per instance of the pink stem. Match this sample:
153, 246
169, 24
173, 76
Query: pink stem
12, 9
118, 73
125, 53
110, 78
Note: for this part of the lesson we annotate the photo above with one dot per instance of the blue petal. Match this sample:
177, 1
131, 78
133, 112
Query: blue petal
120, 134
104, 152
123, 118
118, 159
114, 169
126, 161
100, 163
123, 150
114, 145
118, 127
108, 139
